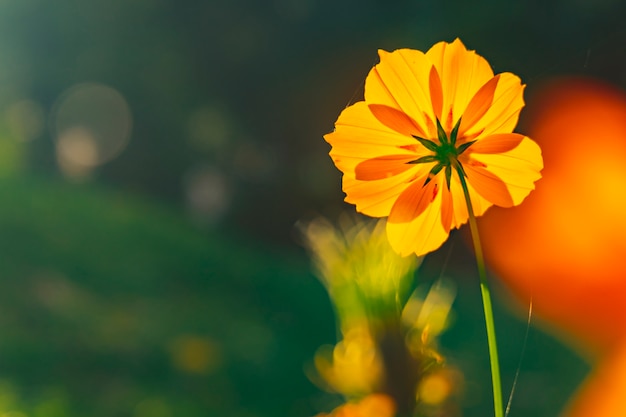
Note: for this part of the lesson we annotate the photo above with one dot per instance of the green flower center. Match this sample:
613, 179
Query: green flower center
445, 153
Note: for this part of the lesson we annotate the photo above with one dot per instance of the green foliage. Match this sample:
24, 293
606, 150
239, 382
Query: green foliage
98, 289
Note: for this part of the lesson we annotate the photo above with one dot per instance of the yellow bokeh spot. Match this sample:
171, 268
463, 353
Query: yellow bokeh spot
353, 366
195, 354
434, 389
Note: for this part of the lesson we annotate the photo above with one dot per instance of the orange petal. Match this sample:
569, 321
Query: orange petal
436, 92
447, 209
383, 167
376, 198
517, 168
396, 120
459, 206
478, 106
424, 233
498, 143
401, 81
503, 113
462, 74
359, 136
488, 185
414, 200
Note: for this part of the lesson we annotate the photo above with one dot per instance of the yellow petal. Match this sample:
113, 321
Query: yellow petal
396, 120
401, 81
383, 167
498, 143
436, 92
423, 234
447, 209
503, 113
359, 136
462, 74
479, 105
414, 200
488, 185
518, 168
459, 206
376, 198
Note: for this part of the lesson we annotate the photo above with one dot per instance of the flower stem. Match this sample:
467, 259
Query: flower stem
486, 295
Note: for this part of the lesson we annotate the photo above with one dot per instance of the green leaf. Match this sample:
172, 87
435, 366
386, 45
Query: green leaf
424, 159
443, 138
462, 148
428, 144
434, 171
455, 131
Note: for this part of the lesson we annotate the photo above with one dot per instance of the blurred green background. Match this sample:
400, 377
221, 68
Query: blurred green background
154, 158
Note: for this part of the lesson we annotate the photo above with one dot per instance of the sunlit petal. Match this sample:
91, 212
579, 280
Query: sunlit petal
459, 206
401, 81
375, 198
396, 120
414, 200
502, 115
425, 233
359, 136
383, 167
488, 185
518, 167
479, 105
462, 74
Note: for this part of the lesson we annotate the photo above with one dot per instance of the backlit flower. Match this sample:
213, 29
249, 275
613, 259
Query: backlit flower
428, 118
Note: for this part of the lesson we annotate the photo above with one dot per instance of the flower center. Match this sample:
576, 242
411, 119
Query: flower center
445, 153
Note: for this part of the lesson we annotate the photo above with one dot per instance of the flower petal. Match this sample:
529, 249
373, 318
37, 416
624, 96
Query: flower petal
462, 73
459, 206
401, 81
498, 143
488, 185
503, 113
414, 200
359, 136
383, 167
517, 168
436, 92
376, 198
425, 232
396, 120
479, 105
447, 209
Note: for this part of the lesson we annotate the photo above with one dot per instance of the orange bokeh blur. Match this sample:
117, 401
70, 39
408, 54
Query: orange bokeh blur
565, 246
602, 394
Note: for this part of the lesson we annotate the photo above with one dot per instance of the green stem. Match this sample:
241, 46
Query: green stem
486, 294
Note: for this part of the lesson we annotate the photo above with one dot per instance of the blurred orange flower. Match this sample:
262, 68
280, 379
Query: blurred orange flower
374, 405
565, 247
428, 118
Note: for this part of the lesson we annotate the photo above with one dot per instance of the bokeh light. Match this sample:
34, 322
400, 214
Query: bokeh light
209, 194
564, 246
91, 124
602, 394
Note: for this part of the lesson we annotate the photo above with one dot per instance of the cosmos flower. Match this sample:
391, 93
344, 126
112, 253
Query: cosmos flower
428, 121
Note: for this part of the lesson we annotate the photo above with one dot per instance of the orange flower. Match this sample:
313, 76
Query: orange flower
427, 119
374, 405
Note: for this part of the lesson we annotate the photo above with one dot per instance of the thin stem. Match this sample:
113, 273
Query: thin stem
486, 294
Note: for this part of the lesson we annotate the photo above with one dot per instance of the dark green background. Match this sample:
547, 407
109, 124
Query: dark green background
130, 267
